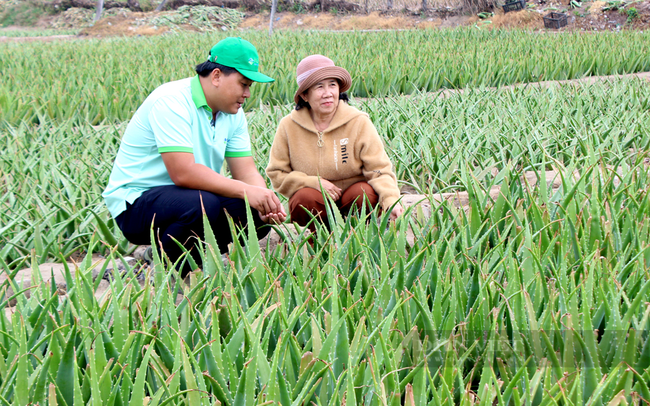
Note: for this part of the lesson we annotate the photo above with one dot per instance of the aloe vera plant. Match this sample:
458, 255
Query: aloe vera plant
536, 294
509, 304
104, 81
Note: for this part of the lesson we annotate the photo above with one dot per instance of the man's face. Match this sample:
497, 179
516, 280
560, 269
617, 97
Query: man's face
230, 91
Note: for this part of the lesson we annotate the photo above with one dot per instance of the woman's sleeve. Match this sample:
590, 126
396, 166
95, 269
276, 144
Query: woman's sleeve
377, 168
280, 170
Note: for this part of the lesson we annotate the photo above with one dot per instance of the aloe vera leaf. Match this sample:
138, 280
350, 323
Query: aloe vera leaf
66, 375
137, 394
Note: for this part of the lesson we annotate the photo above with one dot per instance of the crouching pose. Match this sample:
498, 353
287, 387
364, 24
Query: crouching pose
327, 144
167, 169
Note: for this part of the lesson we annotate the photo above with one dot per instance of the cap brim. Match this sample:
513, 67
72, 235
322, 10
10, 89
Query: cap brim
256, 76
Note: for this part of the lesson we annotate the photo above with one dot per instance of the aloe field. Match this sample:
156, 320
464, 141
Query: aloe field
536, 295
103, 81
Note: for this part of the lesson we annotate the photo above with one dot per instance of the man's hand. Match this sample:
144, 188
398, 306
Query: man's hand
273, 218
265, 201
396, 212
331, 189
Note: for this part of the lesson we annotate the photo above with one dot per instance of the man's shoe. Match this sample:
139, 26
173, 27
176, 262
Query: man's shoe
147, 256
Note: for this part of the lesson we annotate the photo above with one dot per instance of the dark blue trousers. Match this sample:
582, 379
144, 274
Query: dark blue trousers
176, 214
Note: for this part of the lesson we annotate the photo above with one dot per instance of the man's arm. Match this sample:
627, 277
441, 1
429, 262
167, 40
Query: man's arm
245, 170
185, 172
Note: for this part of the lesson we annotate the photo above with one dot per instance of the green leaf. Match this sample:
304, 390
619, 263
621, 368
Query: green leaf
137, 395
66, 374
22, 373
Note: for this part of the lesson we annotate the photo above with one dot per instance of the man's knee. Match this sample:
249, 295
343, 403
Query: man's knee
205, 202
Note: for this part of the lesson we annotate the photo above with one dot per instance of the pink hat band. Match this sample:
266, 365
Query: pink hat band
315, 68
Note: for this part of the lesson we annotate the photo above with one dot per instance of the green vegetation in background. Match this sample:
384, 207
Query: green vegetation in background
104, 81
632, 14
25, 13
201, 18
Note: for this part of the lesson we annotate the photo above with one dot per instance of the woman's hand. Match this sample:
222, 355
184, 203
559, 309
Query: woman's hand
396, 212
331, 189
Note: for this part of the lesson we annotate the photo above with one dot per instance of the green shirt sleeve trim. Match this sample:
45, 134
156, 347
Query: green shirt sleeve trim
237, 154
175, 149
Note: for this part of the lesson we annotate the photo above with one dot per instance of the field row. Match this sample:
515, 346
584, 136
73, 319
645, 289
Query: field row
538, 298
53, 175
104, 81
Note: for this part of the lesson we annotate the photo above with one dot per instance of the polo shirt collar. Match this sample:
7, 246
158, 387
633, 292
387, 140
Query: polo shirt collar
197, 94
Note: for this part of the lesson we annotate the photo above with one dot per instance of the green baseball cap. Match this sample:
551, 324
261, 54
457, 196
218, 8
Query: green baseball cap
239, 54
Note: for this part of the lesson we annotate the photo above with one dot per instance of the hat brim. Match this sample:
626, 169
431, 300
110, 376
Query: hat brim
328, 72
256, 76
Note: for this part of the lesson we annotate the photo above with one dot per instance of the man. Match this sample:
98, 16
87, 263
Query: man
168, 165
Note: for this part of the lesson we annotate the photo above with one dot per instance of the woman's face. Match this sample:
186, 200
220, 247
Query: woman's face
323, 97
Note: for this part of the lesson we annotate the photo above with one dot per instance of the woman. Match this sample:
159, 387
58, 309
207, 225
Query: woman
327, 144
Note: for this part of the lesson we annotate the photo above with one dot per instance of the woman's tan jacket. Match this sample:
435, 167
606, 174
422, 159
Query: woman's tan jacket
351, 151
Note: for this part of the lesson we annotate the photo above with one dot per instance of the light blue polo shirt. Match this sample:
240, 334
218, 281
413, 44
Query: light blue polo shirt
174, 118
